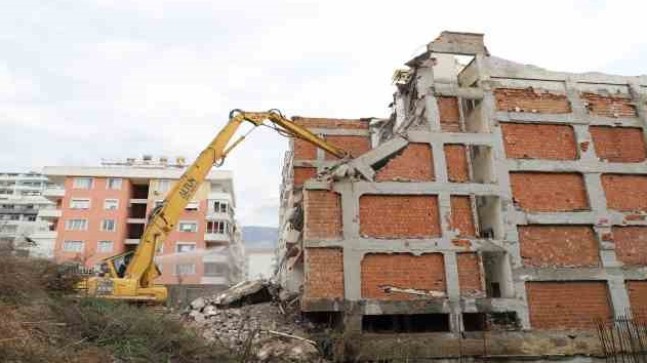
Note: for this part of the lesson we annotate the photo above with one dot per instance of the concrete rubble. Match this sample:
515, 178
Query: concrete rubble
255, 319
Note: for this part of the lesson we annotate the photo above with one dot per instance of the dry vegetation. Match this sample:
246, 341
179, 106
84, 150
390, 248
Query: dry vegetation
40, 322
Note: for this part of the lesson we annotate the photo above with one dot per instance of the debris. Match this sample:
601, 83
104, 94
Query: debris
248, 292
390, 289
198, 303
292, 336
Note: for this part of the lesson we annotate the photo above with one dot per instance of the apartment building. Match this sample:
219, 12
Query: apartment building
501, 210
21, 229
102, 211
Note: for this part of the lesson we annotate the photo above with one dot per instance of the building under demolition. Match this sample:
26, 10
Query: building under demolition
497, 196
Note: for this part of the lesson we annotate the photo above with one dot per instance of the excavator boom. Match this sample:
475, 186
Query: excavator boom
138, 281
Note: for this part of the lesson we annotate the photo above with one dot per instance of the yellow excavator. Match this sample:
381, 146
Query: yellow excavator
137, 282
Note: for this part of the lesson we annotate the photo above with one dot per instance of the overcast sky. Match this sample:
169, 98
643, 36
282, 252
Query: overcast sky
85, 80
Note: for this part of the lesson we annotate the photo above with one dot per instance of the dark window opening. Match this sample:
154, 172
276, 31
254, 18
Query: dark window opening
506, 320
140, 191
134, 231
413, 323
137, 211
474, 322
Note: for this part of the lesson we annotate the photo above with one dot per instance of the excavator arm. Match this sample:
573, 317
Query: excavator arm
163, 219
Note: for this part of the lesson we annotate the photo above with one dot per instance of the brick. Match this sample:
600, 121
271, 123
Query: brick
531, 100
457, 166
301, 174
539, 141
322, 210
331, 123
567, 305
625, 192
304, 150
618, 144
355, 145
470, 277
449, 114
402, 270
609, 106
637, 291
324, 268
631, 244
559, 246
549, 192
414, 163
399, 216
462, 216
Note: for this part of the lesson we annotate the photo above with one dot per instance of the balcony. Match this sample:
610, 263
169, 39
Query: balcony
218, 216
217, 237
54, 193
136, 220
43, 235
138, 201
214, 280
50, 213
217, 256
131, 241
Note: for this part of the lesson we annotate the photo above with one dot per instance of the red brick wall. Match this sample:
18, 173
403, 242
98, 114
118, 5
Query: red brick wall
355, 145
449, 114
530, 100
631, 244
625, 192
618, 144
457, 167
331, 123
462, 217
609, 106
549, 192
304, 150
567, 305
324, 270
401, 270
414, 163
539, 141
322, 210
559, 246
638, 298
399, 216
470, 279
301, 174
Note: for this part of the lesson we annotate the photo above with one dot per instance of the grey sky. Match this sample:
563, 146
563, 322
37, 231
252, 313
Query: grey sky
89, 79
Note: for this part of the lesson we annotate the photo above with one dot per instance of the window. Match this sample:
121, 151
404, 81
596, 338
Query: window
80, 204
73, 246
183, 269
214, 269
220, 207
104, 246
216, 226
76, 224
108, 225
163, 185
113, 183
82, 183
188, 226
15, 217
184, 247
111, 204
31, 218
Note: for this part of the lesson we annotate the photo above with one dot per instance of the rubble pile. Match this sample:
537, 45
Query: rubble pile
255, 318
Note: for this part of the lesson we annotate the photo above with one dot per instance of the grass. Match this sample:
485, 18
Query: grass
40, 322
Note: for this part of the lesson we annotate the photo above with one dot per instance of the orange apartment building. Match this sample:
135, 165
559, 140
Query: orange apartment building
102, 211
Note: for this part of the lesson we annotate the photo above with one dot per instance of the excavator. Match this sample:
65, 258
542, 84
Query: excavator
131, 276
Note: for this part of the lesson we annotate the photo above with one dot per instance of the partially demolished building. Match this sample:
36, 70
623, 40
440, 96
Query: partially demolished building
498, 196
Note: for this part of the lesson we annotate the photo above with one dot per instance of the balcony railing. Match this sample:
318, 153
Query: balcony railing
50, 213
54, 193
217, 237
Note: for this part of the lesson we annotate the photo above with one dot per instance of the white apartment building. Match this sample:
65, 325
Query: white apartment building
21, 228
